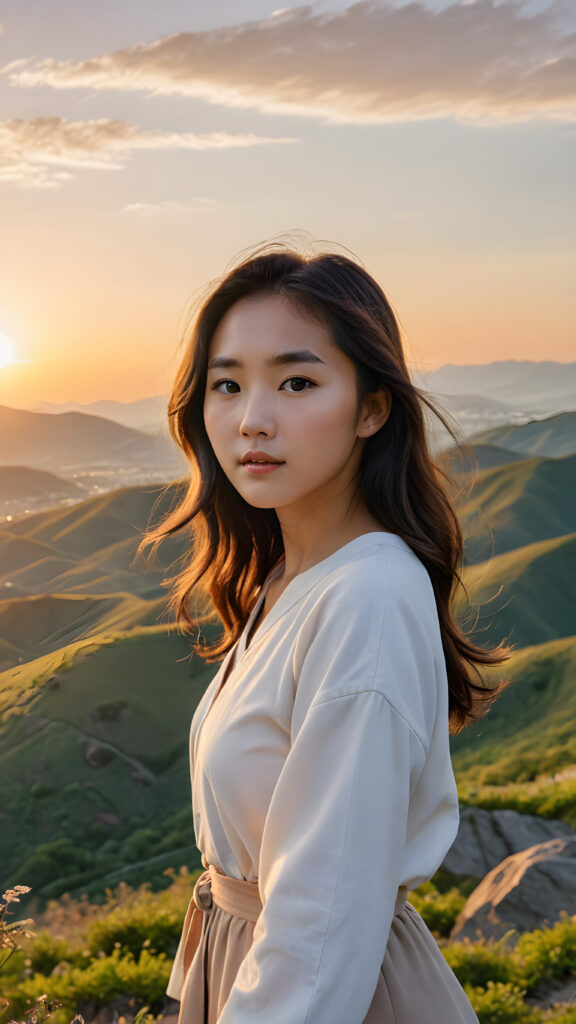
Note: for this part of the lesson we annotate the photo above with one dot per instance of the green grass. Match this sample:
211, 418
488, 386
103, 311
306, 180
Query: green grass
517, 504
134, 694
525, 595
530, 729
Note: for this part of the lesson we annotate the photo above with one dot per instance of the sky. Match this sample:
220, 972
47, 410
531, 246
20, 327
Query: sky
144, 147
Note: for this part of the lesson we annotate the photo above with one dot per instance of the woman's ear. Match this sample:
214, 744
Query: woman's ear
374, 413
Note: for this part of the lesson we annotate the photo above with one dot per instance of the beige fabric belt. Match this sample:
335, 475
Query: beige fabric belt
235, 895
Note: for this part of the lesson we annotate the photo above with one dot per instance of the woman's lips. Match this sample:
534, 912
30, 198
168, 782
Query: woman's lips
256, 468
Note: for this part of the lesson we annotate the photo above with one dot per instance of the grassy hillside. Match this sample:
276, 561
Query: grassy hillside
519, 503
554, 436
131, 508
488, 456
93, 750
530, 729
50, 621
526, 595
97, 522
67, 573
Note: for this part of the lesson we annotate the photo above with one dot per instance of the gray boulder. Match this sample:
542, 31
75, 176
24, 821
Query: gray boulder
486, 838
528, 890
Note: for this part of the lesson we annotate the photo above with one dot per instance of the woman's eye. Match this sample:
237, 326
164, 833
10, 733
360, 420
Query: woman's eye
299, 384
225, 387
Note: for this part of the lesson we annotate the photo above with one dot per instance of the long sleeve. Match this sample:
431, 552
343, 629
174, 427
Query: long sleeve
335, 833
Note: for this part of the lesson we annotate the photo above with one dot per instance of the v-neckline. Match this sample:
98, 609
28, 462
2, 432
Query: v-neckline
297, 586
245, 641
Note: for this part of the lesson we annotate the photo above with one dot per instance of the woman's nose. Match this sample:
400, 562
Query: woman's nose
256, 418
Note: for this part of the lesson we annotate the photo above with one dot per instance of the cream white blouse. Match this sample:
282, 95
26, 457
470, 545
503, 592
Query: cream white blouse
322, 769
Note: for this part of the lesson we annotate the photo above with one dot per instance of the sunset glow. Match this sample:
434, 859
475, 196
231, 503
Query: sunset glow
6, 350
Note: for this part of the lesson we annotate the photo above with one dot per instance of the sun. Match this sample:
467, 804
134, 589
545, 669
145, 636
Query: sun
7, 353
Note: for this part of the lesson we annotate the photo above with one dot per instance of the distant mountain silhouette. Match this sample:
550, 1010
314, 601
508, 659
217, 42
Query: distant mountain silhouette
146, 414
71, 440
532, 387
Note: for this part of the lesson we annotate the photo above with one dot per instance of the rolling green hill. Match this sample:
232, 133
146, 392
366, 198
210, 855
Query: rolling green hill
67, 573
98, 522
93, 747
487, 455
526, 594
554, 436
521, 503
530, 729
47, 622
491, 455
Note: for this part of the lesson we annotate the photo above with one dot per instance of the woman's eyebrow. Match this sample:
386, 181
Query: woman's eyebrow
302, 355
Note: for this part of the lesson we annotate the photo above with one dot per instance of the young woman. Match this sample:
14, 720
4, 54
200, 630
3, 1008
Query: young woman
326, 542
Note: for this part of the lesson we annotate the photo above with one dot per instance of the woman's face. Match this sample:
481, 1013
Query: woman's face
280, 407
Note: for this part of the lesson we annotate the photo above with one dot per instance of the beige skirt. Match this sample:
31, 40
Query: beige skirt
415, 984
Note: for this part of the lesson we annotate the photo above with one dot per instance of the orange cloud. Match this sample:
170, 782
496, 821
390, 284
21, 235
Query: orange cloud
46, 151
371, 63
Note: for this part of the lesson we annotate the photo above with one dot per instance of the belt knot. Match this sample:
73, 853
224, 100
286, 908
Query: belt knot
202, 894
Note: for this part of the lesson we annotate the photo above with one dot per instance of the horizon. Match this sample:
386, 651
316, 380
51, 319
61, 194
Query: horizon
165, 394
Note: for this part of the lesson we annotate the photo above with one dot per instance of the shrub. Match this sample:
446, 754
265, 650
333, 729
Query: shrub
47, 952
103, 979
137, 917
501, 1003
547, 954
561, 1016
545, 798
438, 909
480, 963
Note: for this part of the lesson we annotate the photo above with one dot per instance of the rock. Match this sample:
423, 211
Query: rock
554, 993
137, 775
34, 724
106, 818
111, 711
486, 838
528, 890
97, 756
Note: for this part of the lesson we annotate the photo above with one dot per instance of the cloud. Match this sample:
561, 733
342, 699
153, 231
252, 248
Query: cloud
199, 204
48, 151
371, 63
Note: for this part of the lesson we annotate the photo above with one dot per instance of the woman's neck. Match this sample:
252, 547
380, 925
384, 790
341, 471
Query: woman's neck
308, 543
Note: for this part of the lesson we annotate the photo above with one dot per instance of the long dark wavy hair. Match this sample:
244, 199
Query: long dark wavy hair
235, 545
